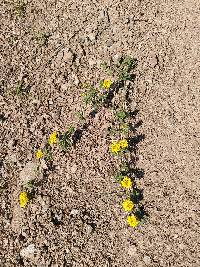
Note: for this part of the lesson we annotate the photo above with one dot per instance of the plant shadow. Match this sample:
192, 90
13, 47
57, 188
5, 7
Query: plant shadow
141, 214
2, 118
137, 195
133, 141
77, 135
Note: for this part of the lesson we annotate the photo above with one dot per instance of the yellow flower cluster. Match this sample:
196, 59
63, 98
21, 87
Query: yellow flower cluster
126, 182
53, 138
132, 220
23, 199
107, 84
117, 146
128, 205
85, 85
39, 154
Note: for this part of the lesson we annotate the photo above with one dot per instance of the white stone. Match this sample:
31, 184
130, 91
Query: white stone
50, 101
132, 250
68, 55
43, 164
101, 14
76, 81
28, 252
74, 168
88, 229
29, 173
91, 62
147, 260
92, 36
74, 212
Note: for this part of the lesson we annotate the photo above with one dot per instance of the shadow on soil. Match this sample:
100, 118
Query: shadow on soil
137, 194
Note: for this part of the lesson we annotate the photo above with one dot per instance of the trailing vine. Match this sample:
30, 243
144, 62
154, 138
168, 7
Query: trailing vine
113, 94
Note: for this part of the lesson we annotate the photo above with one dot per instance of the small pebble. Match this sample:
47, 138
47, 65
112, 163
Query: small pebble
74, 168
92, 36
88, 229
28, 252
68, 56
132, 250
74, 212
147, 260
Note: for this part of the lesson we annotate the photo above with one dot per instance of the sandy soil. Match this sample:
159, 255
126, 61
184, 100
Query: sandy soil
76, 218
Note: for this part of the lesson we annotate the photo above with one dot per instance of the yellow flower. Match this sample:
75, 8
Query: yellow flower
107, 84
39, 154
23, 199
85, 85
123, 143
128, 205
82, 94
126, 182
115, 147
124, 126
132, 221
53, 138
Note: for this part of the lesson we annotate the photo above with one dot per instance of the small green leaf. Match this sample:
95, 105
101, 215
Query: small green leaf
101, 83
20, 88
48, 153
121, 115
29, 184
119, 178
20, 8
80, 115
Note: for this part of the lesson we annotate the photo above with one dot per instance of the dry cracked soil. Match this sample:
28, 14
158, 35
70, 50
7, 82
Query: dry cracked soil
75, 218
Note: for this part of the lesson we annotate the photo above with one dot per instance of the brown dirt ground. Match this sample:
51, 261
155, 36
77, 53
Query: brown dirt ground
80, 193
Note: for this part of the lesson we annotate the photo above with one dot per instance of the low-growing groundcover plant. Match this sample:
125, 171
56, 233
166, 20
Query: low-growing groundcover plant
20, 8
103, 94
121, 146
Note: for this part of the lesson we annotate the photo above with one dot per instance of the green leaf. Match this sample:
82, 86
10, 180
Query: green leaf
29, 184
119, 177
101, 83
124, 167
71, 130
20, 88
121, 115
80, 115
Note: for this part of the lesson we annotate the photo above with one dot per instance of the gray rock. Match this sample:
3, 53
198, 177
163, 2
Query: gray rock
29, 173
91, 62
92, 36
28, 252
68, 55
110, 42
132, 250
59, 57
13, 158
102, 14
74, 168
88, 229
147, 260
74, 212
152, 60
17, 218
